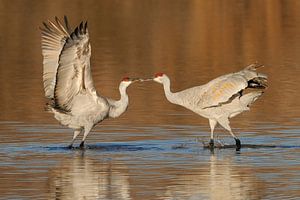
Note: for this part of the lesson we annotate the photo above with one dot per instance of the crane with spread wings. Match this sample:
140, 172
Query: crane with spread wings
68, 82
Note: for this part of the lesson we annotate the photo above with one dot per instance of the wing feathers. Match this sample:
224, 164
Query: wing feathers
61, 27
67, 24
73, 75
66, 60
223, 88
53, 40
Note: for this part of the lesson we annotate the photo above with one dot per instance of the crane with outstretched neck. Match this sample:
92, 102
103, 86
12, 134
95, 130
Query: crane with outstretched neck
221, 98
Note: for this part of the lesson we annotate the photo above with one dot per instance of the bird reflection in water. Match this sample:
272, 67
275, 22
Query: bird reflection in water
219, 179
85, 178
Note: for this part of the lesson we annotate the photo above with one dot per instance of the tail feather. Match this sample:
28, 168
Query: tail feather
258, 83
254, 66
255, 79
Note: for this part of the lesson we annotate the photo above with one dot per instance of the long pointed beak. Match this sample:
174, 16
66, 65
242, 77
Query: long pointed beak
147, 79
135, 79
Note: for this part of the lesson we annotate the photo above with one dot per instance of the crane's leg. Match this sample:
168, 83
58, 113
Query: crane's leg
212, 124
87, 130
76, 133
224, 122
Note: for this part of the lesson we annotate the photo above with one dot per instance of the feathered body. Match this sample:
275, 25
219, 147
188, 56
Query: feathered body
68, 82
220, 99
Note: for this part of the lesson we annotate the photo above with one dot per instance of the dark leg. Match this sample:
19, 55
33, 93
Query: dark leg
225, 123
211, 144
238, 144
87, 129
81, 145
76, 133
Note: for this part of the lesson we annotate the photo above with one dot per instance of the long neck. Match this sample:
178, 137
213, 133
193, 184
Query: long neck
170, 95
120, 106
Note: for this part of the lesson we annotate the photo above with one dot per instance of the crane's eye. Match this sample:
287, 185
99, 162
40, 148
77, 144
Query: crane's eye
126, 79
159, 74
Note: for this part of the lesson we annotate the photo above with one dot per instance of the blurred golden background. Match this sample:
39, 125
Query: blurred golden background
192, 41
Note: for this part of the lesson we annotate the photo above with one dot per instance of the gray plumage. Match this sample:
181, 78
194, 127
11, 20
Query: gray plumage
220, 99
68, 82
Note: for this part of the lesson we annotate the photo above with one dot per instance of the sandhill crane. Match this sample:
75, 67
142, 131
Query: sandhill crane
220, 99
68, 81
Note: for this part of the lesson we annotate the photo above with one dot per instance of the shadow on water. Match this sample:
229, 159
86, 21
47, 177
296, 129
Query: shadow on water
106, 147
119, 147
252, 146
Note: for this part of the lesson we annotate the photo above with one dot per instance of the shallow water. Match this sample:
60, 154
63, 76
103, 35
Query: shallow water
40, 164
154, 150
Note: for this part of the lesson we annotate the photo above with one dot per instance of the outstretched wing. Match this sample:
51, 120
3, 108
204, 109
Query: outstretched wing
73, 74
66, 62
54, 36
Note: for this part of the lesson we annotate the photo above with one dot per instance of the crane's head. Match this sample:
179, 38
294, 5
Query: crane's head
159, 77
126, 81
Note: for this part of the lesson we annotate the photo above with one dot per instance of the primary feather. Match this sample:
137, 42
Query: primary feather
53, 41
